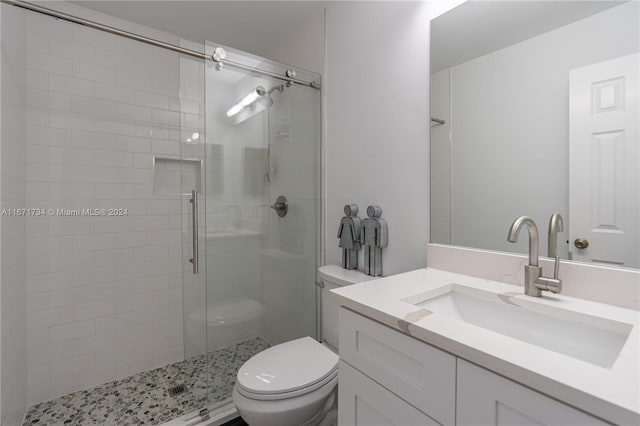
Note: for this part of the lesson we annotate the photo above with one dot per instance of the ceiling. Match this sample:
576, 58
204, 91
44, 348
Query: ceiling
477, 28
251, 26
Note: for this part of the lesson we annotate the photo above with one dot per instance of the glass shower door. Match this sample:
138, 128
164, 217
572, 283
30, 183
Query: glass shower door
262, 143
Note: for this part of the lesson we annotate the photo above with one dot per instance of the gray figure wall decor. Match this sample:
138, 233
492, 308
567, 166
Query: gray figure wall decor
349, 234
374, 237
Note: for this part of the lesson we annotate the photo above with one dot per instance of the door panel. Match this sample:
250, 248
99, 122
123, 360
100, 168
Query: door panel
604, 162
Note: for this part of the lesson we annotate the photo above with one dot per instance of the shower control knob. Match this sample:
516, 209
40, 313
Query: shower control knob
281, 206
219, 54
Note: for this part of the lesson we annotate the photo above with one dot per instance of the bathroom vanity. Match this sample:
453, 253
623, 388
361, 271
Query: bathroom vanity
435, 347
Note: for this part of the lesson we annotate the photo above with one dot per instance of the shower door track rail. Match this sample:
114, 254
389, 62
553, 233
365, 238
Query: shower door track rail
106, 28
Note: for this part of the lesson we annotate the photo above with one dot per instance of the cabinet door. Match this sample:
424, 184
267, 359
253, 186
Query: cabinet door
419, 373
484, 398
363, 402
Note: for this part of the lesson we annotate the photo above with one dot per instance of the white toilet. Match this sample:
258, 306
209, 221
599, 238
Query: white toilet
295, 383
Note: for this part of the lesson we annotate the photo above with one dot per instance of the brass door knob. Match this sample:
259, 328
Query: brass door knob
581, 243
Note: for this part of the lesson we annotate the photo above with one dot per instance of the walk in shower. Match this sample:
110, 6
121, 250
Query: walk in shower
160, 219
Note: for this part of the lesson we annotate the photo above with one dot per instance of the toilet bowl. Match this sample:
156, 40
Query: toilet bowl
287, 384
295, 383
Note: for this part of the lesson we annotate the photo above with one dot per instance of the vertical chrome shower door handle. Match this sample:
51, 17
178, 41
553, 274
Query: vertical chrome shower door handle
194, 232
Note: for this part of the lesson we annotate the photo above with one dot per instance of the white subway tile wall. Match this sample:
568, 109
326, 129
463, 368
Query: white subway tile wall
104, 294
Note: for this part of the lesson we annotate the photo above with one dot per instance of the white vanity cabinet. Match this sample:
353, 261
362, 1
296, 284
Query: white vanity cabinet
389, 378
485, 398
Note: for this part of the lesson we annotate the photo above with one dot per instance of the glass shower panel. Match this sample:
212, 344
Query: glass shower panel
262, 142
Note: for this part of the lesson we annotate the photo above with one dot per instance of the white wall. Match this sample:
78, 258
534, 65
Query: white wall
377, 126
13, 342
511, 127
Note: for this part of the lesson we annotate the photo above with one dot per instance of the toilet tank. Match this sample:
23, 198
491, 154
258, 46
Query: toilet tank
333, 276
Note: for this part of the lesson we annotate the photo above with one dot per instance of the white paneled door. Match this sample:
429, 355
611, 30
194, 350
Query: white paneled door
604, 160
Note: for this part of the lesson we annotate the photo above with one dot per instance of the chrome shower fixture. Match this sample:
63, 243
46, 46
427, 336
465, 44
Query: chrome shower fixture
279, 87
246, 101
266, 100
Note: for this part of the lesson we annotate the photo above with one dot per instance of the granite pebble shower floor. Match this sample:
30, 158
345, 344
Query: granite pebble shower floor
144, 398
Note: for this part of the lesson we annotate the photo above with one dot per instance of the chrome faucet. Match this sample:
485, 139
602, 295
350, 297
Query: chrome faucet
534, 282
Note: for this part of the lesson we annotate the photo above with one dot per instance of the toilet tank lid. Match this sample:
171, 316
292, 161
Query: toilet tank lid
340, 276
287, 367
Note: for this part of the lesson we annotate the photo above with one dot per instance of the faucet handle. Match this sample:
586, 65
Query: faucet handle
554, 285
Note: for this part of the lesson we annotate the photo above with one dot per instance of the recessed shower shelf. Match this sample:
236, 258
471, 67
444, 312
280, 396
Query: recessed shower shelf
176, 176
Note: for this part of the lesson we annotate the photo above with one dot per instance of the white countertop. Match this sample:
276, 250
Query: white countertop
612, 394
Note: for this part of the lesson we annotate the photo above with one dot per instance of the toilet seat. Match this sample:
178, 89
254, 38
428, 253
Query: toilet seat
287, 370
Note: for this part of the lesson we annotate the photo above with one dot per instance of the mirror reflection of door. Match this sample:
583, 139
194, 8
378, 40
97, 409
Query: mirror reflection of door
500, 74
604, 162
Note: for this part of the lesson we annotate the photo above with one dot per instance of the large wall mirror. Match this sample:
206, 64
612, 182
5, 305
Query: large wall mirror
535, 110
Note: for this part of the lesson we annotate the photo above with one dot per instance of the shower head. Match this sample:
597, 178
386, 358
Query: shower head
266, 100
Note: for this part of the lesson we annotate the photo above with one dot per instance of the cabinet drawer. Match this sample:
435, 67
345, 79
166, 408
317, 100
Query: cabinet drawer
416, 372
363, 402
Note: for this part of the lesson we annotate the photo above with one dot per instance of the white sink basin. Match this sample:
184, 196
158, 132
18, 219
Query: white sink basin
589, 338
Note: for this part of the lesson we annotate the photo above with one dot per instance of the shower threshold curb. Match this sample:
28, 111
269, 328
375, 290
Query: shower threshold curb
216, 417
